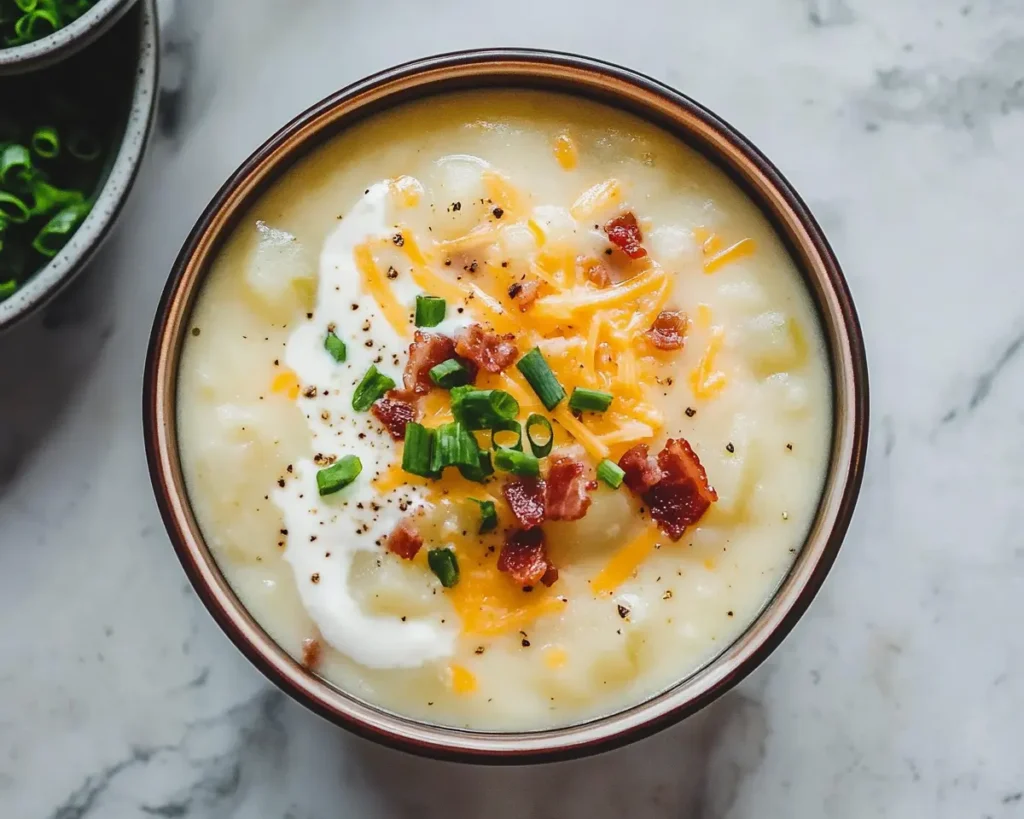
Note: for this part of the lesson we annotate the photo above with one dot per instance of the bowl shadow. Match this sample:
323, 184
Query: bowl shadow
695, 768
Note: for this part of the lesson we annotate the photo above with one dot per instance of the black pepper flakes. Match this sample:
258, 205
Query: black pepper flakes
315, 577
667, 595
789, 447
398, 239
498, 213
392, 273
623, 611
447, 262
455, 207
514, 289
730, 448
196, 331
729, 613
526, 643
479, 650
690, 412
280, 482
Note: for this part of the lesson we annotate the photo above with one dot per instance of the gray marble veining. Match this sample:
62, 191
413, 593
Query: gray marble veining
901, 694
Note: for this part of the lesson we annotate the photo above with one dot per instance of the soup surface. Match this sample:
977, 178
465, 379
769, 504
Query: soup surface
593, 281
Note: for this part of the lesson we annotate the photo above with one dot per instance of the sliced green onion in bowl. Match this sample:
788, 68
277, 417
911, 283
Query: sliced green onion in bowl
481, 472
336, 347
445, 565
611, 473
507, 435
46, 142
8, 289
372, 387
488, 516
584, 400
15, 164
55, 233
450, 373
454, 445
430, 311
537, 372
518, 463
540, 448
13, 208
483, 409
419, 450
338, 475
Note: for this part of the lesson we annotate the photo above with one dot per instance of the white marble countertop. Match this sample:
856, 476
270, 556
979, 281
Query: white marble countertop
900, 694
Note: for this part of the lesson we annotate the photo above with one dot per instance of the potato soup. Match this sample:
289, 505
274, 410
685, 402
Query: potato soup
504, 410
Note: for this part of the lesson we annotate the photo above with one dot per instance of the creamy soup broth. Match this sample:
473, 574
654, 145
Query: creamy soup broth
538, 177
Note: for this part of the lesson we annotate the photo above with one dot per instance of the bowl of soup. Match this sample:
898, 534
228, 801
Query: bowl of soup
506, 406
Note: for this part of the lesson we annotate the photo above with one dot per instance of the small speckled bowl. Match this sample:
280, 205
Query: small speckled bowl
44, 284
678, 115
65, 41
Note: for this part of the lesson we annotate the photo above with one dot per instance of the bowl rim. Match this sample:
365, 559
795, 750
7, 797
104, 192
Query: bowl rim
621, 87
62, 269
65, 41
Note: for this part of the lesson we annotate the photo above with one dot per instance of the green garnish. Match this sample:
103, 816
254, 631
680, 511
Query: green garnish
46, 143
419, 449
540, 448
611, 473
483, 409
58, 230
584, 400
15, 165
338, 475
445, 565
8, 289
454, 445
518, 463
336, 347
488, 516
449, 374
481, 472
535, 370
22, 21
502, 436
430, 311
372, 387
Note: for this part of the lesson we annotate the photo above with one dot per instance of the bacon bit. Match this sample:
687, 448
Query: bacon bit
312, 652
669, 330
525, 497
394, 412
405, 541
567, 490
642, 471
525, 558
524, 293
683, 495
427, 350
594, 271
624, 232
490, 351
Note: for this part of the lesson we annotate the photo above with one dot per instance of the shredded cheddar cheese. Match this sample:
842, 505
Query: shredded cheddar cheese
376, 286
566, 152
624, 562
579, 302
594, 198
286, 383
704, 316
705, 380
594, 445
744, 247
488, 604
504, 194
461, 679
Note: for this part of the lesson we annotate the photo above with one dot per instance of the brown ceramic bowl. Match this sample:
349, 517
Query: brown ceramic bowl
660, 105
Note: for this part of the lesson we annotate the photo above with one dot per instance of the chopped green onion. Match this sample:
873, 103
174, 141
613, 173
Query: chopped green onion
55, 233
488, 516
536, 370
15, 164
584, 400
518, 463
45, 142
504, 429
8, 289
419, 449
445, 565
46, 198
449, 374
14, 208
336, 347
481, 472
372, 387
542, 448
483, 409
338, 475
454, 446
84, 146
611, 473
430, 311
